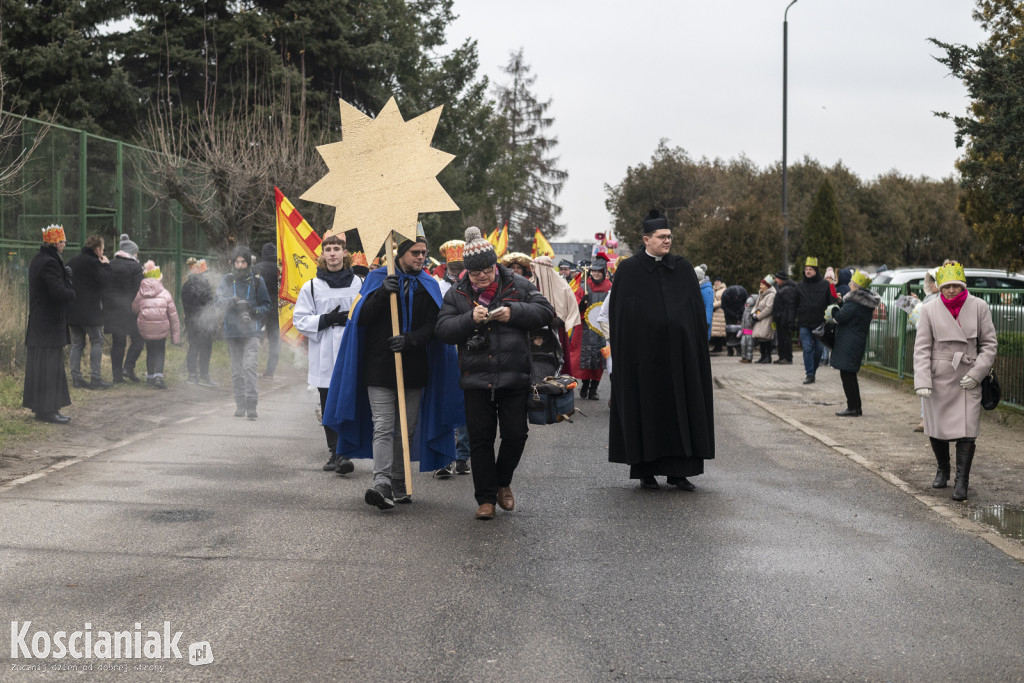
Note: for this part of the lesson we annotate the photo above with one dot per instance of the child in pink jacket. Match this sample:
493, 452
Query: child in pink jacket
158, 318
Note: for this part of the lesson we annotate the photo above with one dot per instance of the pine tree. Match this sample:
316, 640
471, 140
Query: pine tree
527, 179
823, 236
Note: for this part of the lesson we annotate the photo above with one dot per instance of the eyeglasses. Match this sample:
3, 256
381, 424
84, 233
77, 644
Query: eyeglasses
662, 237
418, 252
479, 273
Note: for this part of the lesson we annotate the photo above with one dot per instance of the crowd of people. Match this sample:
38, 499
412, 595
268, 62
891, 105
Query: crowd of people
448, 355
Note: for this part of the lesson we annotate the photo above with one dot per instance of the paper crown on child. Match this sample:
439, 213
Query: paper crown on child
811, 261
862, 279
197, 266
151, 270
53, 234
951, 274
452, 250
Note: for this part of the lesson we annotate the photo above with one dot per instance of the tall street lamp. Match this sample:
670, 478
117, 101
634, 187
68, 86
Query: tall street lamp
785, 85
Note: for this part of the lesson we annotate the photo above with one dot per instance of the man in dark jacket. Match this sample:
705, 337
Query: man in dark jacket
90, 277
268, 270
243, 295
118, 318
733, 300
784, 315
49, 292
814, 295
489, 314
200, 322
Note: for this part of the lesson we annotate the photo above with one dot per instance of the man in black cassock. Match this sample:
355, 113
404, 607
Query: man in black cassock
49, 292
662, 413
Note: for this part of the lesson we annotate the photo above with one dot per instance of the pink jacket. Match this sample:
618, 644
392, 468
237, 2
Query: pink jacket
158, 316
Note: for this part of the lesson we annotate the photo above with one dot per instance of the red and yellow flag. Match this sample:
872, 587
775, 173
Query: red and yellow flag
541, 247
298, 248
574, 284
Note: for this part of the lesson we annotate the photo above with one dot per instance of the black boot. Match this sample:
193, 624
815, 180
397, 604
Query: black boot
941, 450
585, 388
592, 394
964, 458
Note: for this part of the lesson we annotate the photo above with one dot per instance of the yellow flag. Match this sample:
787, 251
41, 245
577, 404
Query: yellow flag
541, 247
298, 248
501, 241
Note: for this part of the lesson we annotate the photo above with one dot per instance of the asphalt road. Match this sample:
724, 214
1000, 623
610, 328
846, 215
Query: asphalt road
789, 562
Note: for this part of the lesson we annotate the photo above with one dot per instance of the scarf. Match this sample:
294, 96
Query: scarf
955, 304
408, 286
486, 296
337, 278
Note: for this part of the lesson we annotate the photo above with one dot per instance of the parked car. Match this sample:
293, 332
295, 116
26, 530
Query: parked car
1007, 306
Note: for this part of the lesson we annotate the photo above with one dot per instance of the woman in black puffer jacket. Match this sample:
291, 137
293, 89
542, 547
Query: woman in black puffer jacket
488, 314
853, 321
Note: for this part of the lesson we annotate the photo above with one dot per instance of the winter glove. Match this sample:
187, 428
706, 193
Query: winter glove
924, 392
399, 342
968, 382
556, 323
336, 318
391, 284
67, 271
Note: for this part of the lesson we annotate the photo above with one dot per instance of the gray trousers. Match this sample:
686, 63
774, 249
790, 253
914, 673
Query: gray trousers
388, 463
78, 335
244, 353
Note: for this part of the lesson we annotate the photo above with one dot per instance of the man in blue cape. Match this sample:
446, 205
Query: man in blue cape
361, 404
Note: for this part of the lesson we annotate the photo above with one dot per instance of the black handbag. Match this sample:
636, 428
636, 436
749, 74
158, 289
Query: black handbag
990, 392
826, 332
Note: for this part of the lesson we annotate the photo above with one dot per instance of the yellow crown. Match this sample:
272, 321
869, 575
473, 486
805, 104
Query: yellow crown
359, 259
153, 272
452, 250
862, 279
811, 261
53, 234
952, 273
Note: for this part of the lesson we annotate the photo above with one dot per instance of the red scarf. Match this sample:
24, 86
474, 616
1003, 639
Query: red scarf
486, 296
955, 304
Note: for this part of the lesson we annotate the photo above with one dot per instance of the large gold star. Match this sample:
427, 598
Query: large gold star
382, 174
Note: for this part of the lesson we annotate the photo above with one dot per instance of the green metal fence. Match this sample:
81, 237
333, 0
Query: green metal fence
891, 338
90, 185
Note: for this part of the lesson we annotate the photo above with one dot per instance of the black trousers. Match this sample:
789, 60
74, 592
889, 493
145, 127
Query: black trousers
155, 351
785, 333
332, 436
485, 413
118, 359
851, 388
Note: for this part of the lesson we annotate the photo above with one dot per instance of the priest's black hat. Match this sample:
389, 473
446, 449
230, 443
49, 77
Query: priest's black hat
654, 221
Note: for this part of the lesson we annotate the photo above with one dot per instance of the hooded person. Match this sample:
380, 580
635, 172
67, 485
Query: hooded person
200, 322
268, 269
158, 319
118, 319
362, 400
243, 296
662, 408
49, 293
559, 294
587, 340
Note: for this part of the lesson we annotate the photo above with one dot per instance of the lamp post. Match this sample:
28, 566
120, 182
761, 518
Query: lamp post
785, 85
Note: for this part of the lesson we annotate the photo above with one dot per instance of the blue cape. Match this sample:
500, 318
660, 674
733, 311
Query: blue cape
347, 409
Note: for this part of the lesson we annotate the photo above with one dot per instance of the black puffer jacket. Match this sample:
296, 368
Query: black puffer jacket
125, 278
505, 362
814, 296
90, 279
853, 322
267, 269
785, 303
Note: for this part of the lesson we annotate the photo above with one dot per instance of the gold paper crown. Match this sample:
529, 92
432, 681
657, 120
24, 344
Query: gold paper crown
952, 273
53, 234
811, 261
862, 279
452, 250
359, 259
516, 257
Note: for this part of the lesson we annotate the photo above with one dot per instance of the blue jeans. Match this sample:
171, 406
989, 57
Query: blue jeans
813, 349
462, 443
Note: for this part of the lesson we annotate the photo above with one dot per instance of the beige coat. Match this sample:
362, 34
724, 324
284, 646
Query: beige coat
718, 317
763, 308
947, 349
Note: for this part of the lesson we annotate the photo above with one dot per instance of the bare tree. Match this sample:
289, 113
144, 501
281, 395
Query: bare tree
15, 148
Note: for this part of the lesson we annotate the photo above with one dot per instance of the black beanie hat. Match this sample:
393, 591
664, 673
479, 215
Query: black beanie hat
406, 245
478, 253
654, 221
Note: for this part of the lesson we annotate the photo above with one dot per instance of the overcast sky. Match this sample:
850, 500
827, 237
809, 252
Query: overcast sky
707, 76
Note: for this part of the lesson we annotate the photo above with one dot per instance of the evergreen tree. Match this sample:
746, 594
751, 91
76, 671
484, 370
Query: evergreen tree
823, 236
526, 180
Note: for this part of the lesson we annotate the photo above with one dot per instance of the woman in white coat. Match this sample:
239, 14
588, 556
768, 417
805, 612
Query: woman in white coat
954, 350
763, 331
321, 313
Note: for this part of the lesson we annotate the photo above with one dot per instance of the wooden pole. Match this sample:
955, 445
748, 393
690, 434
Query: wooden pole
403, 417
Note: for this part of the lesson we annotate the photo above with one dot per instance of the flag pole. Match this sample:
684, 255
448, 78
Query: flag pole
403, 417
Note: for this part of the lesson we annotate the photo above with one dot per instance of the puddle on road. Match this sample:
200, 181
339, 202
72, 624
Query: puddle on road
1008, 520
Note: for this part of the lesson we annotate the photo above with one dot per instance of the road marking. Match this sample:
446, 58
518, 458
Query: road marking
1005, 545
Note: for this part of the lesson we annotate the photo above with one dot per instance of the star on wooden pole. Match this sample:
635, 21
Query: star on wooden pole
382, 174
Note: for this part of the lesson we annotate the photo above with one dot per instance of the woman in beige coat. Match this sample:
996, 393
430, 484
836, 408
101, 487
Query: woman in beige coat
955, 349
717, 318
763, 332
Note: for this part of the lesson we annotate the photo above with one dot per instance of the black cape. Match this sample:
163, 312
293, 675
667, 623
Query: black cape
662, 412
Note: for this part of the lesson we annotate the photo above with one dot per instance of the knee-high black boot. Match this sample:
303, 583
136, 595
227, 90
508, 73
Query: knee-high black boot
584, 388
941, 450
964, 458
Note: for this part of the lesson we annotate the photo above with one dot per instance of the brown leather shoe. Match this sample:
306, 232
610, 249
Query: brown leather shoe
505, 499
485, 511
